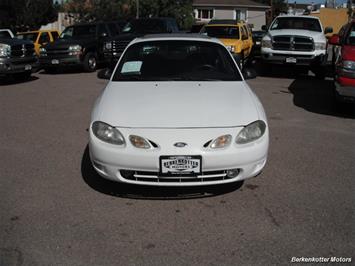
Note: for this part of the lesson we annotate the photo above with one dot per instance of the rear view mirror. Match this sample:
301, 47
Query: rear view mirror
328, 30
334, 40
104, 73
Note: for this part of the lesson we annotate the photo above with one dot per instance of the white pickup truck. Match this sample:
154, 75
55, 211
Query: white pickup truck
296, 40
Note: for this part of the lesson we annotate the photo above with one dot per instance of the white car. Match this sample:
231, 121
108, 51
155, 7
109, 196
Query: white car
177, 112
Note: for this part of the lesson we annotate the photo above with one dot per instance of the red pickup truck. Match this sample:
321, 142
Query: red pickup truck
344, 59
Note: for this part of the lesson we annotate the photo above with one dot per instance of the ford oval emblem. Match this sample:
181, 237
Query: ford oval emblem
180, 144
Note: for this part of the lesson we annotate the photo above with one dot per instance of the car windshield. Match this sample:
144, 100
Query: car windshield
226, 32
350, 40
144, 26
5, 35
296, 23
78, 31
172, 60
28, 36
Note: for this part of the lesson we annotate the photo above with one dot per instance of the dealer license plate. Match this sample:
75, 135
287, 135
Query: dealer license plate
180, 165
55, 61
291, 60
28, 67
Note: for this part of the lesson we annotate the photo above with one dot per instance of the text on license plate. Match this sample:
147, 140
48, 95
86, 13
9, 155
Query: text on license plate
28, 67
55, 61
180, 164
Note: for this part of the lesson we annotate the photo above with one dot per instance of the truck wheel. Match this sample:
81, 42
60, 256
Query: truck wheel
90, 62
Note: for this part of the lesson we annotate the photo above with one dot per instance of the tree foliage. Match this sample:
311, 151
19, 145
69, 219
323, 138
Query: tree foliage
91, 10
27, 14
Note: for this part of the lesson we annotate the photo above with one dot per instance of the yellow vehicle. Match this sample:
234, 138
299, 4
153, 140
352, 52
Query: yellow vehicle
235, 35
39, 37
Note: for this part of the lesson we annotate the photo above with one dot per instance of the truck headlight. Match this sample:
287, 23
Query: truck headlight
266, 43
5, 50
320, 45
74, 49
42, 51
108, 46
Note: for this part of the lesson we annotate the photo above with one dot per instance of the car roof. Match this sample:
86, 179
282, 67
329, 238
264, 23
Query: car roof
177, 37
225, 22
36, 31
297, 16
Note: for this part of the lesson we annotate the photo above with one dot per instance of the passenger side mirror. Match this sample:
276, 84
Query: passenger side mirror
328, 30
264, 28
104, 73
334, 40
249, 73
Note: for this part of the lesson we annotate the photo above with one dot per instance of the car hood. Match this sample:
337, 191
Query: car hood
317, 36
348, 52
176, 104
65, 43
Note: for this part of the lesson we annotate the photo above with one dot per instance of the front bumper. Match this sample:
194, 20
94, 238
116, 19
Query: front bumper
108, 160
60, 60
271, 56
18, 65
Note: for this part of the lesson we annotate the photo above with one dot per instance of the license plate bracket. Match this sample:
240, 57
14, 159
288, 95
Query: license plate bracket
28, 67
172, 165
55, 61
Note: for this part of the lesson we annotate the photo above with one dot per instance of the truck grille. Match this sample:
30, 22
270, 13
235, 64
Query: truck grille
58, 52
118, 46
22, 50
293, 43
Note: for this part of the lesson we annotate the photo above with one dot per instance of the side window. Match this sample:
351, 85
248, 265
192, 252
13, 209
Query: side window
44, 38
113, 29
102, 30
244, 34
55, 35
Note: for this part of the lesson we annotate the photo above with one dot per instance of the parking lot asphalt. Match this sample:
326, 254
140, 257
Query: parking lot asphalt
54, 209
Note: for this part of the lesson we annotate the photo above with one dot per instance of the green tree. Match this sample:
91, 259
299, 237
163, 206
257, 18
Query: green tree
91, 10
27, 14
181, 10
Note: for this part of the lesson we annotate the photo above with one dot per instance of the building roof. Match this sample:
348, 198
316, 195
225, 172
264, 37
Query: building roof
228, 3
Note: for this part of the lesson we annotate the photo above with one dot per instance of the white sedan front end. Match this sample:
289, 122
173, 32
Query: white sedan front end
175, 130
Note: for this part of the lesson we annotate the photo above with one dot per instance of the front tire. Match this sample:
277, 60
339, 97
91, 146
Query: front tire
90, 62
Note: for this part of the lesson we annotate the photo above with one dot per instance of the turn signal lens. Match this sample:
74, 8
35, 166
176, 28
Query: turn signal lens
221, 142
139, 142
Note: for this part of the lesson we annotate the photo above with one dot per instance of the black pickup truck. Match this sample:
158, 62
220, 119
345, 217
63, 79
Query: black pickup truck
17, 57
78, 45
114, 47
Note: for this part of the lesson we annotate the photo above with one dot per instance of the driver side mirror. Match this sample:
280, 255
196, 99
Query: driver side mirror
264, 28
334, 40
328, 30
249, 73
104, 73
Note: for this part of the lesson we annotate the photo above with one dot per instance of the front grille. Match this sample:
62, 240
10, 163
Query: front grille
118, 46
58, 53
154, 177
293, 43
22, 50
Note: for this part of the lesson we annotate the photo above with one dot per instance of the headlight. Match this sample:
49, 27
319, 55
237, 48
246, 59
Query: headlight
320, 45
75, 50
42, 51
139, 142
266, 44
348, 65
107, 133
221, 142
251, 132
5, 50
108, 46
